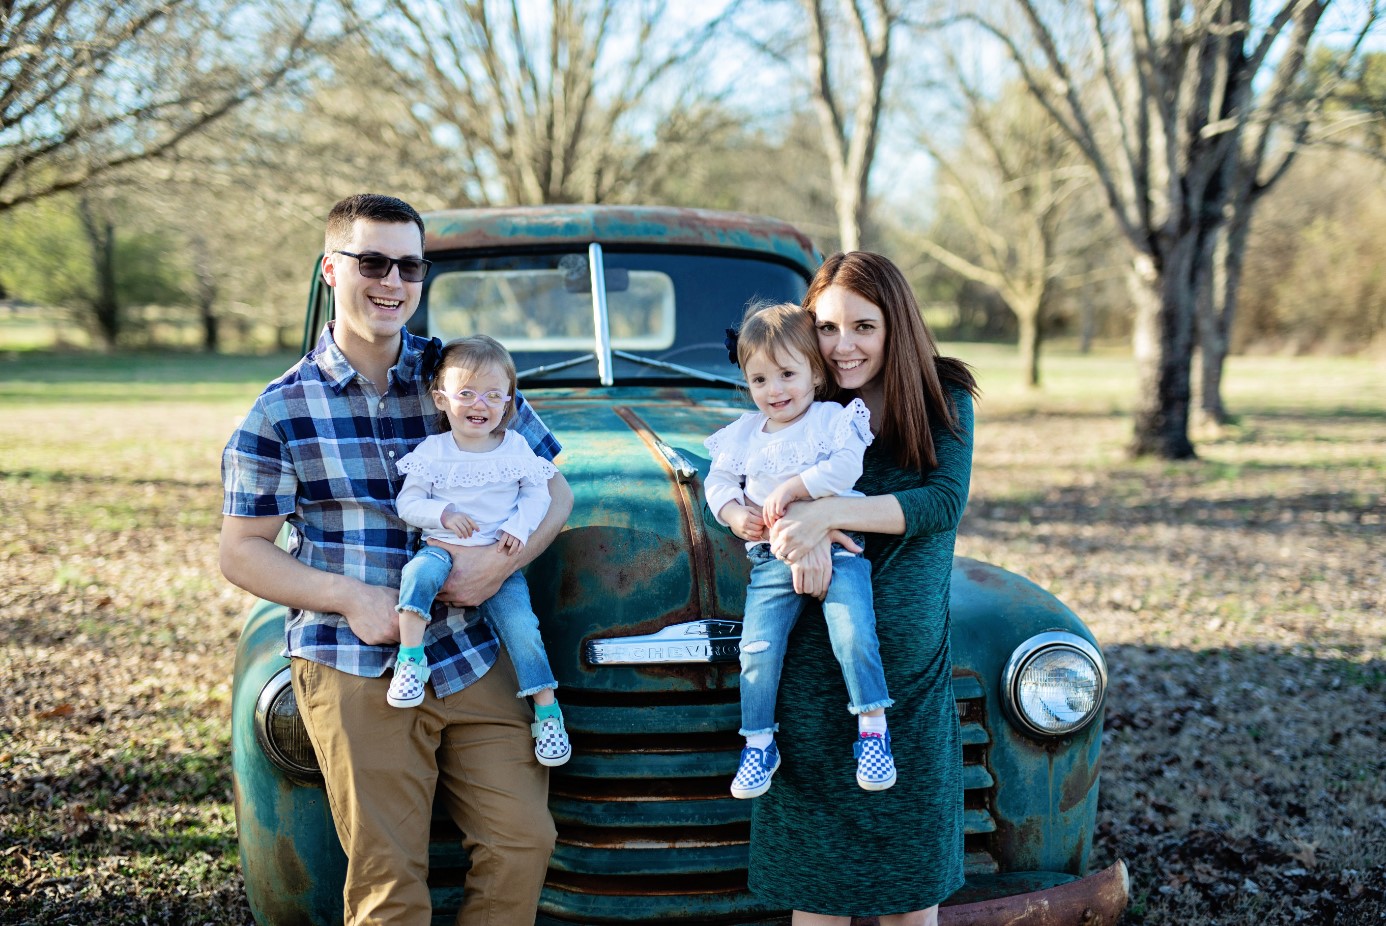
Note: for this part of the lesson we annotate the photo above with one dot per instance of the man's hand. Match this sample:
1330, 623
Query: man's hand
477, 574
457, 522
372, 615
745, 521
509, 544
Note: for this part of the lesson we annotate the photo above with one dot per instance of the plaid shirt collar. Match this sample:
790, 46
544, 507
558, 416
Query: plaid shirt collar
417, 358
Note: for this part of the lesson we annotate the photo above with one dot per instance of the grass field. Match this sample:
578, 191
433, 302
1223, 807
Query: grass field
1239, 599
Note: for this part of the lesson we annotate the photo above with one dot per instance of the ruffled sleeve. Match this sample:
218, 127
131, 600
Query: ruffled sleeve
838, 438
725, 482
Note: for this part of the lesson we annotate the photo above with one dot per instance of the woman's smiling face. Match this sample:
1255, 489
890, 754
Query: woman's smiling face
851, 335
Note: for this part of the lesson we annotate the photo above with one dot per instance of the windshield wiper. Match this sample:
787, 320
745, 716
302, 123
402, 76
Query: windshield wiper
676, 368
554, 367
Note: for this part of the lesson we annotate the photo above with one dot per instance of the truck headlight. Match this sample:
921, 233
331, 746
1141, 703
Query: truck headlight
279, 729
1053, 683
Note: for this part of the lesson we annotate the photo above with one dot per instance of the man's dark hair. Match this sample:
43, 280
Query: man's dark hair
373, 207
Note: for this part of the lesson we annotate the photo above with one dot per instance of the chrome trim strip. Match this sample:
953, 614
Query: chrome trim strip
692, 642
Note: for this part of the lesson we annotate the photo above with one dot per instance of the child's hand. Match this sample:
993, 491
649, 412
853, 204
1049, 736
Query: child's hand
509, 544
458, 523
787, 492
744, 522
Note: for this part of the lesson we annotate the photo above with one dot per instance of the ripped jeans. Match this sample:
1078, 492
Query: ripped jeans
772, 609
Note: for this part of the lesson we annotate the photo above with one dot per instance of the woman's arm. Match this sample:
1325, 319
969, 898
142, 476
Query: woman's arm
935, 506
938, 504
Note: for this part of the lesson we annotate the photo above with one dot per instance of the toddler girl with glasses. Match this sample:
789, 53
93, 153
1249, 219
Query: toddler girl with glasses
795, 447
476, 484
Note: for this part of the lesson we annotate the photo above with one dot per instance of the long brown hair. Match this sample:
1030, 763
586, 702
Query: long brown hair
915, 378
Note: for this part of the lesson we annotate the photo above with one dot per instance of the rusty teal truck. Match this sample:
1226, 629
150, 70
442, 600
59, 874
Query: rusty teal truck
616, 317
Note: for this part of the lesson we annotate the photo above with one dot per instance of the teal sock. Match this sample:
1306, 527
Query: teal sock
546, 711
412, 654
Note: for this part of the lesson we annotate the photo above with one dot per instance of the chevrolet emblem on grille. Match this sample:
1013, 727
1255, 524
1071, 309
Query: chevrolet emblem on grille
694, 641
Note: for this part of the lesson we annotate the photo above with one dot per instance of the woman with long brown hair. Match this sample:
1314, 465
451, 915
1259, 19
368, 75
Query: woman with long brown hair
825, 851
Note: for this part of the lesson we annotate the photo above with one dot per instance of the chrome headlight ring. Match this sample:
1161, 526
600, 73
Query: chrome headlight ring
280, 732
1053, 684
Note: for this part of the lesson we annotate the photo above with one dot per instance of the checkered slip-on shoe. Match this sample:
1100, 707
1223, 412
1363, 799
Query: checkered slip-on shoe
757, 766
407, 687
551, 746
875, 766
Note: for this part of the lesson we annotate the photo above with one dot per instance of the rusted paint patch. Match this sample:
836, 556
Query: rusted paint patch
1097, 900
575, 225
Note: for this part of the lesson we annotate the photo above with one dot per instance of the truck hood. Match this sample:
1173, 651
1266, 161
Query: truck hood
639, 577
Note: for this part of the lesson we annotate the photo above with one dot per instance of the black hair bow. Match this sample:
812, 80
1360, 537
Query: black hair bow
733, 335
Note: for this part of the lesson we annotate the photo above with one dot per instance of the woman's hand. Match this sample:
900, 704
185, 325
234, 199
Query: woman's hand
813, 571
801, 529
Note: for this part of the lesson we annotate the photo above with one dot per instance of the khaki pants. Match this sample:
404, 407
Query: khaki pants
382, 765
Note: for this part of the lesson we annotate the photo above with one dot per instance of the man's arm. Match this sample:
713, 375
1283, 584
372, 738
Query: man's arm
251, 560
477, 572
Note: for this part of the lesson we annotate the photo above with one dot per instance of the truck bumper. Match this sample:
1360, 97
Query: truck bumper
1097, 900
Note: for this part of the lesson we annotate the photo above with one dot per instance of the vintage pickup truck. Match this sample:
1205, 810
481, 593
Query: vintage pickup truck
615, 316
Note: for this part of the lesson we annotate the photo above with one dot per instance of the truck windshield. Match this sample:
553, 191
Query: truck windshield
662, 306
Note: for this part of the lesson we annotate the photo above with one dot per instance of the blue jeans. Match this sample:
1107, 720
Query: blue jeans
508, 612
772, 609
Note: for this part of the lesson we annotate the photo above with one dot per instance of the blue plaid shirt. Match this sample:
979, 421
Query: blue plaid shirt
320, 447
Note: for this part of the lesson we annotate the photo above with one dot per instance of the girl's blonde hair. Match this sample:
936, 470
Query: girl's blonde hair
778, 329
474, 355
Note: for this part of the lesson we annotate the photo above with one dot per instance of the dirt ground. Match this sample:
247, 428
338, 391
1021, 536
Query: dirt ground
1239, 600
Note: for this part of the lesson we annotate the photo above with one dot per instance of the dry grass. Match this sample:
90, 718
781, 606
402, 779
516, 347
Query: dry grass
1239, 599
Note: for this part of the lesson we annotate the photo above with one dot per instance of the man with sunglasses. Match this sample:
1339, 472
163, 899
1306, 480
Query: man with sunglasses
318, 451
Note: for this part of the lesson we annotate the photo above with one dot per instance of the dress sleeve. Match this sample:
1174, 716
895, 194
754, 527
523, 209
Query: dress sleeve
938, 504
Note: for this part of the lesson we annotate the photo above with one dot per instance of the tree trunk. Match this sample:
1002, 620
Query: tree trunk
1030, 335
1215, 330
1162, 335
849, 214
105, 304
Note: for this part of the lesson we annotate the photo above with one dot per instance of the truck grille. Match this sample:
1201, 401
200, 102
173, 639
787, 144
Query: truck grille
646, 829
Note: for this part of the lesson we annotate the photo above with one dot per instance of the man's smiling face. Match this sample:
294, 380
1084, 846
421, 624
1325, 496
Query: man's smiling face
373, 311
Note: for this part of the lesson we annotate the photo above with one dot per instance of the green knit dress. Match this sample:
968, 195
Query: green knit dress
819, 843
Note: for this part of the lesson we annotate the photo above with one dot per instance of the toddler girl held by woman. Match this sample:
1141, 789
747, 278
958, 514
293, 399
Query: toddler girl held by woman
476, 484
792, 448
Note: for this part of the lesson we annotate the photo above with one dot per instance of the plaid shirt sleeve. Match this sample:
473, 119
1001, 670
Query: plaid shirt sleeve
529, 426
257, 474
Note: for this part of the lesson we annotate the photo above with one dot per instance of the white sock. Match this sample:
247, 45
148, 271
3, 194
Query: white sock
867, 724
760, 740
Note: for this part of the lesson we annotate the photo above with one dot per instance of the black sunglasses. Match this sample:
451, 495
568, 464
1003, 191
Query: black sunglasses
377, 266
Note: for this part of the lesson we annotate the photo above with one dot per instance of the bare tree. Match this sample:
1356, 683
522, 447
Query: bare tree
849, 120
87, 87
1010, 190
1297, 110
563, 106
1155, 96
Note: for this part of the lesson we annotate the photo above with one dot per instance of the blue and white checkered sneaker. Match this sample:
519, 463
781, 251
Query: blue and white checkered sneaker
875, 765
757, 766
551, 745
407, 687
